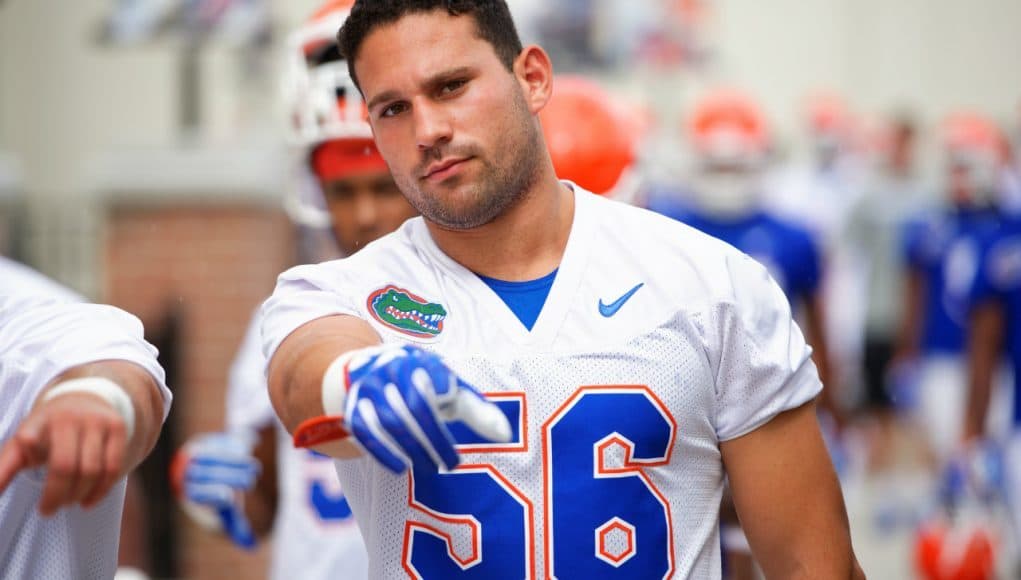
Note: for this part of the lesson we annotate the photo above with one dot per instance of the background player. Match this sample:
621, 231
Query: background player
506, 278
876, 226
295, 492
942, 251
994, 326
83, 400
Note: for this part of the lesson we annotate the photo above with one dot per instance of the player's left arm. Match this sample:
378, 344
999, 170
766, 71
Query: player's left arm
783, 483
84, 437
788, 499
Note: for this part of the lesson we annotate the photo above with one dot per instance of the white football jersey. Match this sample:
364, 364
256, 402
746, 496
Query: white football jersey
40, 338
315, 535
655, 344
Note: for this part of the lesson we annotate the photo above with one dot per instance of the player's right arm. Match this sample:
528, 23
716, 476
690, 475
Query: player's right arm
299, 365
390, 401
338, 389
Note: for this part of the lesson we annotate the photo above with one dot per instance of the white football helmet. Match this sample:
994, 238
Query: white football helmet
976, 154
730, 146
320, 98
320, 103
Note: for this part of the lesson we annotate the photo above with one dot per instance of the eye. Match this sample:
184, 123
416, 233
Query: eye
453, 86
393, 109
386, 188
339, 192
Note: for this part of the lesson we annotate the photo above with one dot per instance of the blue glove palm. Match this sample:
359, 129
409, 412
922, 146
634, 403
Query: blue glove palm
220, 468
398, 400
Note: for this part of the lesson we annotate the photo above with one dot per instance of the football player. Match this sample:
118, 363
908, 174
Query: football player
942, 251
995, 330
875, 227
532, 379
83, 402
251, 475
819, 193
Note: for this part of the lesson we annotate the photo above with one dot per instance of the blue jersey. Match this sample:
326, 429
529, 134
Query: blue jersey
945, 249
999, 279
788, 251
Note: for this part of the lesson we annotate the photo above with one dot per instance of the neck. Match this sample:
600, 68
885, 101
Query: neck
525, 242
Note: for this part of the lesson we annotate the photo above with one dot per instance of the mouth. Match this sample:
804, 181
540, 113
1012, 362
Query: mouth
444, 169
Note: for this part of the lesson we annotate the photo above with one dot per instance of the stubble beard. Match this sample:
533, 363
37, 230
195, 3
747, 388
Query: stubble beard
501, 185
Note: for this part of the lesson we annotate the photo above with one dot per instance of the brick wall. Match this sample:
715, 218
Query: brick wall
209, 267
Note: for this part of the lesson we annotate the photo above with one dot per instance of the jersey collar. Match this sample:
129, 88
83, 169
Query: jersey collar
562, 294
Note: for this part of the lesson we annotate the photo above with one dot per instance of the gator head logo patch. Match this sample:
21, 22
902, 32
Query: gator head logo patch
406, 313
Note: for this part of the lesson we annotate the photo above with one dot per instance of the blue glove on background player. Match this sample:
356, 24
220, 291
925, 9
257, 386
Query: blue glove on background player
212, 472
976, 472
395, 401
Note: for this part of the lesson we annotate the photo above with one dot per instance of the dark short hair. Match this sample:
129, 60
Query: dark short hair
493, 23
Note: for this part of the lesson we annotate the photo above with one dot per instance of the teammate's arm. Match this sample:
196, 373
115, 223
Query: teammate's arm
909, 334
985, 342
788, 499
297, 368
81, 438
261, 501
815, 331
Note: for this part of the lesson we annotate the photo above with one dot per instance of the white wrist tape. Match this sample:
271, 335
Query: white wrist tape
334, 388
103, 388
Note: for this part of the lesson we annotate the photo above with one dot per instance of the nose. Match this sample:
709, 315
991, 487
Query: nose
432, 124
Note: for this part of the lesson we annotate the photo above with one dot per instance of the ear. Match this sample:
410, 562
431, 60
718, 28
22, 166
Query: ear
534, 72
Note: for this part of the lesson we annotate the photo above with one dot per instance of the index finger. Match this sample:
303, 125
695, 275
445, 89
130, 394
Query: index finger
479, 414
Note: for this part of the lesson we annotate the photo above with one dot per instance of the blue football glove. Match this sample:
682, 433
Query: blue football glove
395, 401
217, 469
975, 471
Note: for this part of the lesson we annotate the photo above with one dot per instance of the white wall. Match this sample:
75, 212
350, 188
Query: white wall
64, 99
931, 55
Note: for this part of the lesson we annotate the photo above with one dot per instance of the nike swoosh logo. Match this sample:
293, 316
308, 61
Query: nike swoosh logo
610, 309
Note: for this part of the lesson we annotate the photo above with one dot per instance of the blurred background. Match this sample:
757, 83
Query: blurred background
143, 163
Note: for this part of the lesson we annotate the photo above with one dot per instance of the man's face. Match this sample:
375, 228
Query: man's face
364, 207
451, 121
